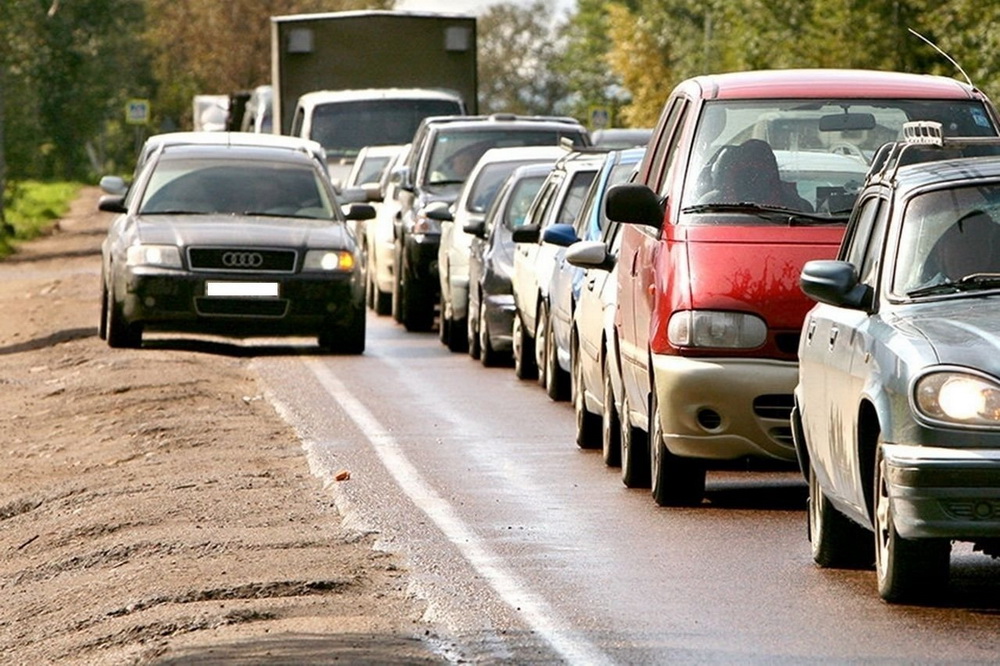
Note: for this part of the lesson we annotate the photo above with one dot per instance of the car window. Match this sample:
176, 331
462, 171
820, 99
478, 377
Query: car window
232, 187
487, 184
575, 195
947, 235
809, 156
523, 193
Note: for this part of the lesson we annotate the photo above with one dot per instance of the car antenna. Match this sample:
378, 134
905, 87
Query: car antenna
947, 57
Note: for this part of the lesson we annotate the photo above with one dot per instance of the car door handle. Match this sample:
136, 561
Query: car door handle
834, 332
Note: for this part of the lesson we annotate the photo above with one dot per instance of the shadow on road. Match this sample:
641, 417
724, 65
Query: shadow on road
49, 340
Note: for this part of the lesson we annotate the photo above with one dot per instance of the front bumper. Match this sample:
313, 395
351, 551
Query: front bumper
726, 408
306, 304
943, 492
500, 313
421, 257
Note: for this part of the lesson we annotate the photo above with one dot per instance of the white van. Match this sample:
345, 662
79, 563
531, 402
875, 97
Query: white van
345, 121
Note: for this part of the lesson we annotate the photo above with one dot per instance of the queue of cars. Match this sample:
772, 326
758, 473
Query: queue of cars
697, 298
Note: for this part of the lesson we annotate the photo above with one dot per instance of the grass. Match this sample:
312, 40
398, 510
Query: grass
31, 207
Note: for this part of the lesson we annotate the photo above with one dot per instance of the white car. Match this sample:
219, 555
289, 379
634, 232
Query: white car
454, 251
379, 246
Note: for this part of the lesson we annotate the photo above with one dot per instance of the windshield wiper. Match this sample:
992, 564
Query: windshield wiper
446, 182
973, 282
770, 213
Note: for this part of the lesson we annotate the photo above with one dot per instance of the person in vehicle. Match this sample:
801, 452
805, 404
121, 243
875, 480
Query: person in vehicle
748, 173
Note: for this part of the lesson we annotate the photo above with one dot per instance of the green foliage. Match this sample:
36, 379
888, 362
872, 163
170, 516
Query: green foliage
31, 207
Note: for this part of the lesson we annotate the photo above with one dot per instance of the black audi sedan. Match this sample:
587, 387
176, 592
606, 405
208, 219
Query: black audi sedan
233, 240
897, 409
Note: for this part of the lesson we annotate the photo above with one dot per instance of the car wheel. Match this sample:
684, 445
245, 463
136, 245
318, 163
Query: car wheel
444, 328
556, 379
836, 540
102, 325
369, 288
588, 424
906, 569
488, 356
524, 351
346, 338
397, 285
634, 452
674, 480
121, 334
611, 426
541, 335
472, 330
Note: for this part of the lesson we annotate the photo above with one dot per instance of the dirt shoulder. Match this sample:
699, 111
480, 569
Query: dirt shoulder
154, 508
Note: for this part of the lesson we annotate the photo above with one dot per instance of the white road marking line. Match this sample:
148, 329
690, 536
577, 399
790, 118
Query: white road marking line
532, 609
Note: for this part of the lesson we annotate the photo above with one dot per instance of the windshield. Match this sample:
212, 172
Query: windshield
808, 156
344, 128
455, 152
484, 189
224, 186
520, 200
947, 236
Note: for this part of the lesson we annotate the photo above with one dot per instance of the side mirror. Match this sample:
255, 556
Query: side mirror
634, 204
360, 211
402, 178
591, 254
526, 233
560, 234
113, 185
835, 283
439, 213
477, 228
349, 195
112, 203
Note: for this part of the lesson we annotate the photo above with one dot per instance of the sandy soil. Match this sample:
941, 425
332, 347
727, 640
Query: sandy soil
154, 508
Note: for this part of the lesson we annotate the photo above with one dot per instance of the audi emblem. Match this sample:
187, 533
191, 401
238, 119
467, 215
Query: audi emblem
242, 259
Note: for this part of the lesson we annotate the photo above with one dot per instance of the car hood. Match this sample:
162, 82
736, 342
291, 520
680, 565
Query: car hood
963, 331
186, 231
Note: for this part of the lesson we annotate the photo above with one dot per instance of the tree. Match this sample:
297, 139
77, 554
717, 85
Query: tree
199, 47
516, 49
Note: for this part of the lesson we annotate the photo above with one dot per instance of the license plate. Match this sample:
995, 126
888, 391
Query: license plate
242, 289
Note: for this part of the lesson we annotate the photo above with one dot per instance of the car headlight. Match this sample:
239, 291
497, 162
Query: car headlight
167, 256
340, 261
716, 330
958, 397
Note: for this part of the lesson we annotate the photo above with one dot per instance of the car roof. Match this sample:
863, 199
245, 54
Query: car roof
503, 120
514, 153
317, 97
230, 139
238, 151
813, 83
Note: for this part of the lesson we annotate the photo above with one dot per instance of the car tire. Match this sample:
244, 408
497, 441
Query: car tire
397, 285
674, 480
611, 425
488, 356
445, 324
541, 336
588, 424
121, 334
346, 338
557, 380
524, 351
906, 569
634, 452
102, 325
836, 541
472, 331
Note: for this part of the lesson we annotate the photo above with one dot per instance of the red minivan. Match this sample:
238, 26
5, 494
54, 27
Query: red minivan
747, 176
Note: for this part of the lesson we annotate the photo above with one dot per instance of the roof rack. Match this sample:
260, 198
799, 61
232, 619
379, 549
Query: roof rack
924, 141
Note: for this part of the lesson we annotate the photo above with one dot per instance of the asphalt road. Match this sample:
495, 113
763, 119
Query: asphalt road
530, 550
